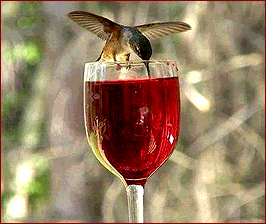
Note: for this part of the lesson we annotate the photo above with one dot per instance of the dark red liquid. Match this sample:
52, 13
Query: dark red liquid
136, 123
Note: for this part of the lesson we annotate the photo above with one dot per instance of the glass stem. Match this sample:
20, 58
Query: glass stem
135, 195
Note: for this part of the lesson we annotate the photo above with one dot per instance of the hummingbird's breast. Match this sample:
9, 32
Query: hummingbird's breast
116, 47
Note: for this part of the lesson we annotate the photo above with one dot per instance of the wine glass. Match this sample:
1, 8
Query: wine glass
132, 120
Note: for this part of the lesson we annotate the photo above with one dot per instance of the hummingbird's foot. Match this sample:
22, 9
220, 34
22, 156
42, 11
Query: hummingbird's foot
118, 67
128, 67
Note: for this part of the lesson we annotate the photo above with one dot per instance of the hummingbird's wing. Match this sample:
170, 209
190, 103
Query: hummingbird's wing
98, 25
158, 30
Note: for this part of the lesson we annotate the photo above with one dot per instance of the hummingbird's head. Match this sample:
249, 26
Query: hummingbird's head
140, 45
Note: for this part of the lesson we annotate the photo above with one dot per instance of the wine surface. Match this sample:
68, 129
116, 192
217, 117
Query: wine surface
132, 125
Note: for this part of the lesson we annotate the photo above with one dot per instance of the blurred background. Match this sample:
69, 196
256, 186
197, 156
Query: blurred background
217, 171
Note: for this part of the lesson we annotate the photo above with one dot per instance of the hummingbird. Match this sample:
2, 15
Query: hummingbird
122, 40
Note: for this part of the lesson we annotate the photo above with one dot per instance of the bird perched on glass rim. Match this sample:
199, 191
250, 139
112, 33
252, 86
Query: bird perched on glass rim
121, 40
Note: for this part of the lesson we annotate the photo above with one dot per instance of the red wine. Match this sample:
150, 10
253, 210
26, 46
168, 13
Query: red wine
133, 125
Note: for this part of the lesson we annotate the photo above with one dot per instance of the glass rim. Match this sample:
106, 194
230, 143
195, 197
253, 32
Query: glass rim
134, 62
